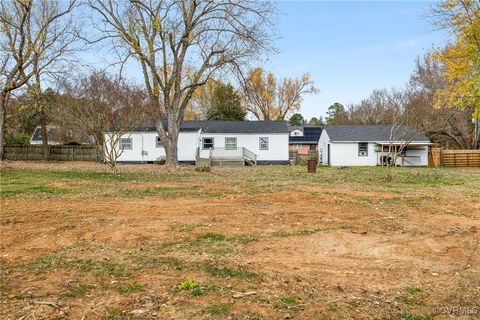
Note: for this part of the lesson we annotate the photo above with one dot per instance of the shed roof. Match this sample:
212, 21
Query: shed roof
372, 133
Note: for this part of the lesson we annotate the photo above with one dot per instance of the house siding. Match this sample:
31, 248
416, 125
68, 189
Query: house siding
277, 144
346, 153
188, 142
147, 141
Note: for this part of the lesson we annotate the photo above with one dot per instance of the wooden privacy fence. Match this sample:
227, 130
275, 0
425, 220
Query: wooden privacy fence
59, 152
454, 158
461, 158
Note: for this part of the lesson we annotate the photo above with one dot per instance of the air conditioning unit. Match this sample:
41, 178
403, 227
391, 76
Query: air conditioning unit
363, 153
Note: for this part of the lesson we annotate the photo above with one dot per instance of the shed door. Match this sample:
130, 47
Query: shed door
328, 154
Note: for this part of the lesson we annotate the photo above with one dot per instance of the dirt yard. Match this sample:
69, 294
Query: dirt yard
238, 243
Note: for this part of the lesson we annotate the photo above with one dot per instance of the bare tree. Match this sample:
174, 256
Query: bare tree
268, 100
180, 44
34, 36
121, 125
98, 103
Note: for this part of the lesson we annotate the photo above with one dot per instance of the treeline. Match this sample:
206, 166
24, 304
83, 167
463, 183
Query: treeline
83, 107
452, 127
442, 98
197, 61
183, 50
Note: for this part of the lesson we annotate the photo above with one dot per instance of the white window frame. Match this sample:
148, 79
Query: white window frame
203, 143
124, 141
230, 145
266, 144
363, 146
158, 143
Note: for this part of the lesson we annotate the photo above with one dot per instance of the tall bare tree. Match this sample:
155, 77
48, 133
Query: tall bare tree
97, 103
35, 35
180, 44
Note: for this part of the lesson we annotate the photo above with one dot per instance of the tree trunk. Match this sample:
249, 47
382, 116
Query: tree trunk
169, 138
171, 151
3, 109
43, 124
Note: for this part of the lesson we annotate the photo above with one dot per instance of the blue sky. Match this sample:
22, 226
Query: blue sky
351, 48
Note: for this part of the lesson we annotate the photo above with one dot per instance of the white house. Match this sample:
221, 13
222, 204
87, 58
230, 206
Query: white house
372, 145
218, 142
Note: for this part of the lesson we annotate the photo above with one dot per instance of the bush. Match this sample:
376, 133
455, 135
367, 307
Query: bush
21, 138
203, 169
161, 161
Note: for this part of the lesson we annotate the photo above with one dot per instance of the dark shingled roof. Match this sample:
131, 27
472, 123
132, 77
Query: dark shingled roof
213, 126
311, 134
371, 133
37, 134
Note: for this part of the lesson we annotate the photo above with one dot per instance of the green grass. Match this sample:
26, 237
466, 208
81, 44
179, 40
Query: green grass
188, 285
195, 288
53, 262
255, 180
117, 314
77, 290
218, 309
412, 316
300, 232
165, 192
413, 289
134, 287
11, 190
289, 303
226, 272
213, 237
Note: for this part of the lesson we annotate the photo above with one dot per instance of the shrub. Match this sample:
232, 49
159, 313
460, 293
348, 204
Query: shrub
20, 138
203, 169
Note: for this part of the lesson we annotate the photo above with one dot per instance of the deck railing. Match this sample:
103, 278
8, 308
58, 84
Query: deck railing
240, 154
247, 154
226, 153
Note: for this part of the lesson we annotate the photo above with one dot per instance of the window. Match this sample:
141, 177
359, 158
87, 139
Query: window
263, 143
297, 146
296, 133
159, 143
207, 143
231, 143
363, 149
126, 144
